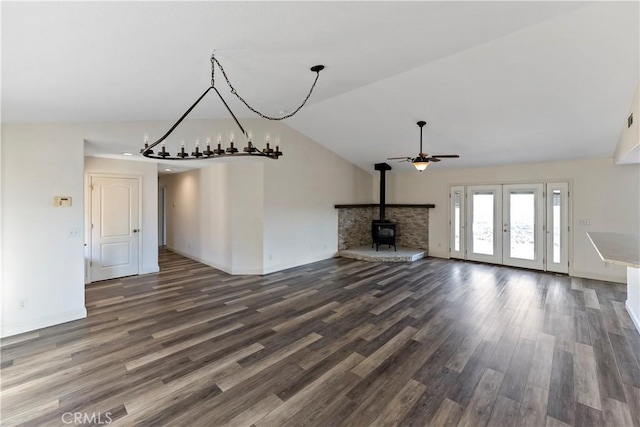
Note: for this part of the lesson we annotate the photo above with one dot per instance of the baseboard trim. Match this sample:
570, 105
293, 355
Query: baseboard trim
274, 268
634, 317
224, 268
44, 322
596, 276
438, 254
154, 269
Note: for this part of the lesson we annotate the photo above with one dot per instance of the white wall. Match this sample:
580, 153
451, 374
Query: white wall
300, 191
247, 213
606, 194
214, 215
42, 264
149, 227
628, 149
256, 216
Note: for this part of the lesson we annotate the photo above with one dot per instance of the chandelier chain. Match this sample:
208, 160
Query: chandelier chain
213, 68
235, 92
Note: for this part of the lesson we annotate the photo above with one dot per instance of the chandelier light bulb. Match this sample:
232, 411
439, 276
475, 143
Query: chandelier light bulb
198, 142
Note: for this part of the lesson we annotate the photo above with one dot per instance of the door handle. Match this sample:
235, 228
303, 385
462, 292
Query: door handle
135, 230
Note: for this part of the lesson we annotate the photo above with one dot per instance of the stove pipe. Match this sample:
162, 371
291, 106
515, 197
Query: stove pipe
382, 167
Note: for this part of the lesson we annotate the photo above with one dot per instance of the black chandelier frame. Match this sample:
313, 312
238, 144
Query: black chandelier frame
218, 151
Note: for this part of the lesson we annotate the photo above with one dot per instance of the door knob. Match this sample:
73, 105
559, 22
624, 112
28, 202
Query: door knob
136, 230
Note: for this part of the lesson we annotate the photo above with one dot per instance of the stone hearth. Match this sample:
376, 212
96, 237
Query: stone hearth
412, 222
384, 254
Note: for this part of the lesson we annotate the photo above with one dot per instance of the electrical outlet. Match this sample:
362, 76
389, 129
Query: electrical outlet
270, 257
23, 304
74, 232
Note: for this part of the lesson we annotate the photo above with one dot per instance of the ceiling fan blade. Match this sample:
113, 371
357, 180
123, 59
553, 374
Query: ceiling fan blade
433, 159
397, 158
444, 156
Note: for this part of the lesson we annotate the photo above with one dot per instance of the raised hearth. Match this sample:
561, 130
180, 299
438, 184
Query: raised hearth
385, 254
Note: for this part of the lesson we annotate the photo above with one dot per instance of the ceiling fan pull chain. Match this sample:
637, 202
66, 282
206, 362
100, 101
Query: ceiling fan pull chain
316, 69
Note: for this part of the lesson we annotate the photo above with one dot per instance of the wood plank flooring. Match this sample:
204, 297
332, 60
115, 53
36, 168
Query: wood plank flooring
335, 343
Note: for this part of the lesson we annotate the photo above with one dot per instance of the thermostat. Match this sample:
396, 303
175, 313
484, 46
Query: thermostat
62, 201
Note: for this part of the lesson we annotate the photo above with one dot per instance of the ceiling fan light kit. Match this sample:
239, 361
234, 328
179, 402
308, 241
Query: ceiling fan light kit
420, 163
423, 160
220, 151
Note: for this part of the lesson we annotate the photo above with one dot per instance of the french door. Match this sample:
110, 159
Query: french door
521, 225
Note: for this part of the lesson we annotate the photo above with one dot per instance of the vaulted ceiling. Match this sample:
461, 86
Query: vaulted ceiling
497, 82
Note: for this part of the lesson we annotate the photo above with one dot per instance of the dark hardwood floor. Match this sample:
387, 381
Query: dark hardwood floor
338, 342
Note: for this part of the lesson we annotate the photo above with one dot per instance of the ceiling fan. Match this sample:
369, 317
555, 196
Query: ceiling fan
423, 159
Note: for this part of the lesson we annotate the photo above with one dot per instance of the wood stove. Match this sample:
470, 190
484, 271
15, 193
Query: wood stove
383, 232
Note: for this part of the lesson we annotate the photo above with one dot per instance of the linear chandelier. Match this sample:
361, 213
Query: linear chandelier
219, 151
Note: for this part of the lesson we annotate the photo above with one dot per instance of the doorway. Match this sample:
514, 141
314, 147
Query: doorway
519, 225
115, 227
162, 216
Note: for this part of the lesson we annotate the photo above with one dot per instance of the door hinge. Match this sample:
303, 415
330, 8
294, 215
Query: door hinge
92, 226
90, 263
91, 187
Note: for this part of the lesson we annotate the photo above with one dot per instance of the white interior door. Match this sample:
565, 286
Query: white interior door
484, 231
523, 225
115, 231
557, 231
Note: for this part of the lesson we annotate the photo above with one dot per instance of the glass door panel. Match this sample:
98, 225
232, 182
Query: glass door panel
457, 238
558, 227
483, 214
522, 225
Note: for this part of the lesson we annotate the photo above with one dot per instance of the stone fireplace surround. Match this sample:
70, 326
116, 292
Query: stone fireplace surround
354, 224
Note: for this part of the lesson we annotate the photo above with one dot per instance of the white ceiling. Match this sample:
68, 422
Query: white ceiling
497, 82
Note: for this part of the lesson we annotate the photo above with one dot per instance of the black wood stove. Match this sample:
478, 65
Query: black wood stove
383, 232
